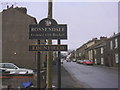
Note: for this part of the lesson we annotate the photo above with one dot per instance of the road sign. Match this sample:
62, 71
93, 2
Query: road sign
48, 29
48, 48
48, 32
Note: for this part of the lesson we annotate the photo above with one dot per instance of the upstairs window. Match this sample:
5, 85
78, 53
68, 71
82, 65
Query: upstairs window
95, 52
116, 43
111, 45
79, 54
102, 50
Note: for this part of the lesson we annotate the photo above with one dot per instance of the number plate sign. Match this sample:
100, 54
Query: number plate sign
48, 48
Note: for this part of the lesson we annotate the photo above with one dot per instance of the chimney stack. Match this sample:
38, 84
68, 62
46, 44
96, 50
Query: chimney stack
21, 9
103, 38
7, 6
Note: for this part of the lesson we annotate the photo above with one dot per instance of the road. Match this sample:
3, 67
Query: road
93, 76
66, 79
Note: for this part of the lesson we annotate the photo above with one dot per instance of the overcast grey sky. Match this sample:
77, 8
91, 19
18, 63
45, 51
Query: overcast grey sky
85, 20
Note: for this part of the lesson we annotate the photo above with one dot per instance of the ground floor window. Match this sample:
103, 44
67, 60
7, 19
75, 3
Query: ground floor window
95, 61
116, 58
102, 60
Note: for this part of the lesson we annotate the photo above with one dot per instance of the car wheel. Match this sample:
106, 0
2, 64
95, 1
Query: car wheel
26, 72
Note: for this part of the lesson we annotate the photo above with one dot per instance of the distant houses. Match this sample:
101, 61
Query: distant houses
103, 51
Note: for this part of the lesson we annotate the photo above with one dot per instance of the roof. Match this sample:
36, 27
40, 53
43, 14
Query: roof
101, 45
19, 9
97, 45
114, 36
93, 39
83, 46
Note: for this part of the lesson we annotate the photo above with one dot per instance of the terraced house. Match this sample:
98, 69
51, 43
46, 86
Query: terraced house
15, 37
113, 50
81, 52
99, 49
89, 48
104, 51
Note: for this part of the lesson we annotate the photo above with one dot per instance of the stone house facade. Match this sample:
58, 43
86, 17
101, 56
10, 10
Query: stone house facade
81, 52
104, 51
113, 50
15, 37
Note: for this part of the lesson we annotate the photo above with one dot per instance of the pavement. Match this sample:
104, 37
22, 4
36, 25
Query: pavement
67, 81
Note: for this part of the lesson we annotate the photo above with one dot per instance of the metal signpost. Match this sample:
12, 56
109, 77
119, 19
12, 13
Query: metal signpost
59, 67
48, 29
38, 66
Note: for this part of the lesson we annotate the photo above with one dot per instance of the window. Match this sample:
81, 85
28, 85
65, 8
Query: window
102, 50
79, 54
95, 61
89, 55
116, 43
116, 58
10, 66
102, 61
1, 66
111, 45
95, 52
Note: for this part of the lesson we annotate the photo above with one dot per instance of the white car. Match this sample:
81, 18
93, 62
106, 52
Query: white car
14, 69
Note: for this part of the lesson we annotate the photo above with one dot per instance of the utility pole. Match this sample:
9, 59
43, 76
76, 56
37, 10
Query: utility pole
59, 67
38, 68
49, 56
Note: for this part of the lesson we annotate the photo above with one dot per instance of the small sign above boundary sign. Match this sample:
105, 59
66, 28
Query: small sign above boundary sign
48, 48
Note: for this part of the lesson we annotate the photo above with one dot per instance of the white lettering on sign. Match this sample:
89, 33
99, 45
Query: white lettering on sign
48, 48
48, 35
47, 29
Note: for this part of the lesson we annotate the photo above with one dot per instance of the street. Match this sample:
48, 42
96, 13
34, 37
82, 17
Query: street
93, 76
67, 81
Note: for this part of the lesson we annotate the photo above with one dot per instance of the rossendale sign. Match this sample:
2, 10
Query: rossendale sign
48, 29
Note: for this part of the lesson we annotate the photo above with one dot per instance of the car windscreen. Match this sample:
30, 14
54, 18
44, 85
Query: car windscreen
10, 66
88, 60
1, 65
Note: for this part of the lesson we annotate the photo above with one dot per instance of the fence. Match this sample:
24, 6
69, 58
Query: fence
15, 81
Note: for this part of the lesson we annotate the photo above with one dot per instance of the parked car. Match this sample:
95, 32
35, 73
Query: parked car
74, 60
13, 69
88, 62
4, 71
68, 60
80, 61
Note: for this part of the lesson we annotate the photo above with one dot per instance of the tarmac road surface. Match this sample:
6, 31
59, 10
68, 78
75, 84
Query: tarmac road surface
93, 76
67, 81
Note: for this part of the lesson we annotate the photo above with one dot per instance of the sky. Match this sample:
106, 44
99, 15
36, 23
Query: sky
85, 20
